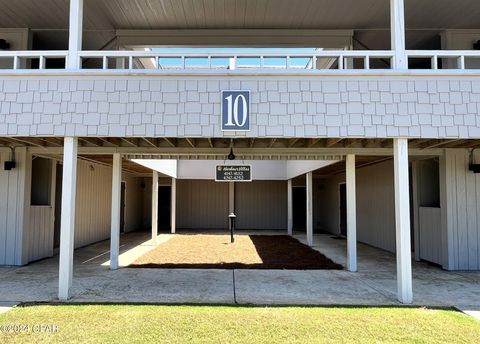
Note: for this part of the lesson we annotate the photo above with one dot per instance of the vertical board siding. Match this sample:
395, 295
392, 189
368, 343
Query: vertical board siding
41, 233
429, 220
202, 204
375, 205
12, 197
134, 190
94, 201
261, 205
463, 208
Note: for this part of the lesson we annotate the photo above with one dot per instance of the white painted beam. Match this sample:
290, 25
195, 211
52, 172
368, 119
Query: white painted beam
309, 192
154, 207
351, 214
289, 207
397, 22
75, 33
67, 224
173, 216
402, 221
116, 204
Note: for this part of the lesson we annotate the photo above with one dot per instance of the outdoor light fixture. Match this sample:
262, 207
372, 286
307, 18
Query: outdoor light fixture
476, 46
10, 164
4, 44
475, 168
231, 156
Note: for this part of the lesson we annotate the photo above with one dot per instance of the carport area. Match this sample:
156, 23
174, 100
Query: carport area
373, 284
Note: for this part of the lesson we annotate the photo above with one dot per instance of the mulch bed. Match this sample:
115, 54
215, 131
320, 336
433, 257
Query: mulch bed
213, 251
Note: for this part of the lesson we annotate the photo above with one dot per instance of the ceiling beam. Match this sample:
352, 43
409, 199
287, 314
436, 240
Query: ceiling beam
171, 142
312, 142
292, 142
93, 141
332, 142
437, 143
191, 142
131, 142
150, 142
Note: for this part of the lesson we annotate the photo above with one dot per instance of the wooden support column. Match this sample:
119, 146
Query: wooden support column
75, 34
402, 221
397, 22
116, 204
289, 207
173, 216
309, 192
154, 207
67, 226
351, 214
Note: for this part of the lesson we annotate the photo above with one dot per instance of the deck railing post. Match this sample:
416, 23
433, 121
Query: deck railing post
75, 34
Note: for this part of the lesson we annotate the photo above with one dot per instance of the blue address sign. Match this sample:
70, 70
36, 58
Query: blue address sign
235, 110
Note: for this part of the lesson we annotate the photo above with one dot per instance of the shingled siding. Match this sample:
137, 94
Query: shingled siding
281, 106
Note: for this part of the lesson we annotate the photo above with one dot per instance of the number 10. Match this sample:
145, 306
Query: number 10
234, 119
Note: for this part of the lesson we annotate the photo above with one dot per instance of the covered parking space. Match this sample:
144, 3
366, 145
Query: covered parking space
362, 155
401, 205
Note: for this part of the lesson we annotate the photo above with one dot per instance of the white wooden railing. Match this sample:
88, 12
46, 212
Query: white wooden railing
22, 59
164, 62
167, 61
452, 59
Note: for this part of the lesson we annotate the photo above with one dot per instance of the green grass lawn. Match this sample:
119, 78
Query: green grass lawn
219, 324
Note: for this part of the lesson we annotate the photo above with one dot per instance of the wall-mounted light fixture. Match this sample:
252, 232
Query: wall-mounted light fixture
476, 45
10, 164
4, 45
475, 168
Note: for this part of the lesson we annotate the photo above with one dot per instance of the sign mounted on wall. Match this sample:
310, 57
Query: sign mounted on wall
233, 173
235, 110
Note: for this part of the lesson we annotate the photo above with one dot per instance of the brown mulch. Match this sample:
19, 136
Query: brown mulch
209, 251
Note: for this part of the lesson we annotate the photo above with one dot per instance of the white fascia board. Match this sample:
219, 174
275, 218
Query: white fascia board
297, 168
205, 169
164, 166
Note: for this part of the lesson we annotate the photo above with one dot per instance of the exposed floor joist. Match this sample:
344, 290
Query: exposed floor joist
240, 142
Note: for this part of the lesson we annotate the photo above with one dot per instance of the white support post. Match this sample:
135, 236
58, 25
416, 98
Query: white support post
116, 204
154, 207
397, 23
402, 221
173, 216
75, 33
351, 214
310, 208
67, 222
289, 207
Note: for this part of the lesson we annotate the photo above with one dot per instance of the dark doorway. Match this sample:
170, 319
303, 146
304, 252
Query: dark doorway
343, 209
299, 197
164, 207
58, 206
122, 208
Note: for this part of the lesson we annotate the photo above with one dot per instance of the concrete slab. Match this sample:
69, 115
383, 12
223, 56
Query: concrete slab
6, 306
373, 284
471, 312
305, 288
